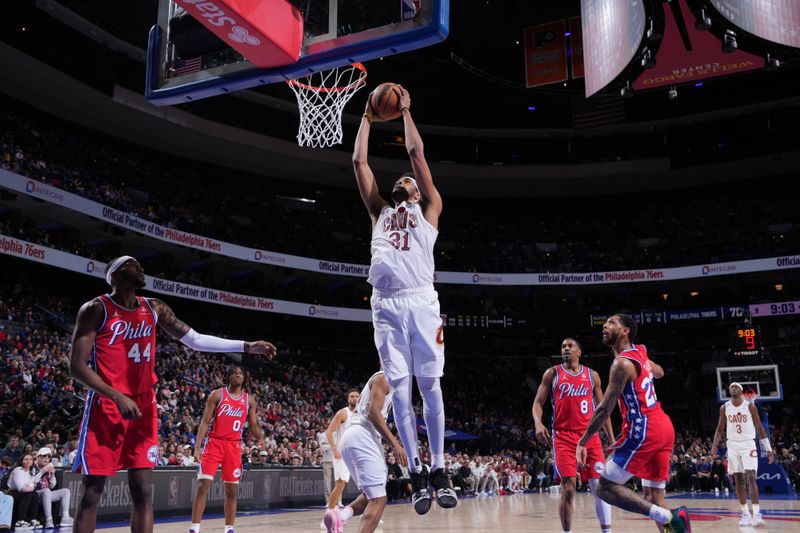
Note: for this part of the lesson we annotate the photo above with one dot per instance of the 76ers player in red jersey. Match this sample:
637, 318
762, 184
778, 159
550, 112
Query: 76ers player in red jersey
574, 390
645, 447
227, 410
113, 354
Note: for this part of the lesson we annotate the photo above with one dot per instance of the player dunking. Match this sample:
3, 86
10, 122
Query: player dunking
227, 410
341, 421
574, 390
645, 447
742, 421
405, 307
113, 354
362, 451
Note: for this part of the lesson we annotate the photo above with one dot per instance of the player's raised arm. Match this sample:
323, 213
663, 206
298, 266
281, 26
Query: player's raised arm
87, 323
542, 393
422, 173
597, 392
658, 370
365, 179
179, 330
205, 422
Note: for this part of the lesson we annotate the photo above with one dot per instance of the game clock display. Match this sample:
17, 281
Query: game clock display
746, 340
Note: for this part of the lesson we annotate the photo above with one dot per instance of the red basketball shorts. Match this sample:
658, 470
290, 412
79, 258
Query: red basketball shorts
225, 453
108, 442
566, 464
646, 451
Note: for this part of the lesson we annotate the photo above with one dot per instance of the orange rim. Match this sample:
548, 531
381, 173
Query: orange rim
360, 81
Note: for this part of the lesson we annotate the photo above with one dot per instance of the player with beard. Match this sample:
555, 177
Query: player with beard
574, 390
114, 355
341, 421
645, 447
405, 306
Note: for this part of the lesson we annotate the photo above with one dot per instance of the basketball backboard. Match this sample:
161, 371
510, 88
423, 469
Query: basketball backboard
186, 62
759, 382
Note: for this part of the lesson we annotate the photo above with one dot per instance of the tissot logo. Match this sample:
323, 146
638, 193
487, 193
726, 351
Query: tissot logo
90, 266
312, 310
29, 186
258, 255
476, 278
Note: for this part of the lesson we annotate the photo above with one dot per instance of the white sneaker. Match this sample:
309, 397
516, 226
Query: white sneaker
22, 525
726, 491
758, 520
716, 490
745, 520
66, 522
35, 524
48, 524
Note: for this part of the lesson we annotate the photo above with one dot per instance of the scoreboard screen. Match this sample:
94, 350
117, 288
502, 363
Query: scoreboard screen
746, 340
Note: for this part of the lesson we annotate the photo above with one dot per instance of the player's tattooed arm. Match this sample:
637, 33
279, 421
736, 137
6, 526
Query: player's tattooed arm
620, 373
720, 430
90, 317
544, 390
608, 429
170, 323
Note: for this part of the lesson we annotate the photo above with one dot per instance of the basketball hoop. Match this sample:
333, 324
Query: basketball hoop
321, 97
750, 395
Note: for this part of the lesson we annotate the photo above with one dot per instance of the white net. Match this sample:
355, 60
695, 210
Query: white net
321, 97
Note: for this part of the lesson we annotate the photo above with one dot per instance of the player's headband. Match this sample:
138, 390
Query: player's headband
735, 384
114, 266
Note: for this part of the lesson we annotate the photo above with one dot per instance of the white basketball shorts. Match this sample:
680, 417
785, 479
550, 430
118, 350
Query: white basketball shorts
363, 455
742, 455
408, 332
340, 470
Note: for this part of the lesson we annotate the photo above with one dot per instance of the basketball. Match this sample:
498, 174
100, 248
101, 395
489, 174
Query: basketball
385, 101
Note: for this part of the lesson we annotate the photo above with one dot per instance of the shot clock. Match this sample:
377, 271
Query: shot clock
745, 340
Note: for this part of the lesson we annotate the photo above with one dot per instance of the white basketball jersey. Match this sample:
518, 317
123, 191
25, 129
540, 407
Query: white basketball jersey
337, 435
740, 422
361, 416
402, 249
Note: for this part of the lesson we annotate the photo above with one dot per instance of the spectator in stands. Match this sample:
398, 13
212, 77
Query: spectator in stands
719, 476
22, 487
12, 449
47, 492
464, 478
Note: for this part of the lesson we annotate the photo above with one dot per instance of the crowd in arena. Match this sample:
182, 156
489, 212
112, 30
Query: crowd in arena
41, 405
672, 228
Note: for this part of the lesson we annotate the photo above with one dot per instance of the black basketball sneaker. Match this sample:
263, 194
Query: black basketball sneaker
445, 495
421, 497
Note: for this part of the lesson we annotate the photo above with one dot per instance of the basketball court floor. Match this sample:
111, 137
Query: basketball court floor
521, 512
